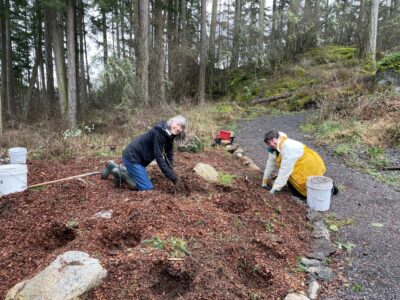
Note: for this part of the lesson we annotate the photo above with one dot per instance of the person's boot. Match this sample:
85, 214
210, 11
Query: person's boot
117, 178
127, 179
107, 170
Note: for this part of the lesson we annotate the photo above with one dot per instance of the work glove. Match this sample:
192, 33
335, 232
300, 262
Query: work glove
179, 185
266, 184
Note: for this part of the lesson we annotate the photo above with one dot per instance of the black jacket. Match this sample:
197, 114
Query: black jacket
154, 144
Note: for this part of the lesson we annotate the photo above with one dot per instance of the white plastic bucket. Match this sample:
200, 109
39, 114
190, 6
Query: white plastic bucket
319, 191
13, 178
17, 155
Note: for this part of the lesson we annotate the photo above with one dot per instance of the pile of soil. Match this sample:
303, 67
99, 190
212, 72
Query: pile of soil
242, 242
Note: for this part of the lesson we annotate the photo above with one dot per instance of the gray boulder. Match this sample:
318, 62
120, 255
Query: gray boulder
310, 262
389, 77
323, 246
323, 273
294, 296
206, 172
313, 290
70, 276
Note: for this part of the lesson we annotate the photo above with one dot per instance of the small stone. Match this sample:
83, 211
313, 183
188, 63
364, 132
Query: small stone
320, 230
310, 262
322, 273
316, 255
323, 246
313, 215
313, 290
239, 150
239, 155
309, 278
207, 172
254, 167
294, 296
104, 214
225, 142
72, 224
232, 148
247, 160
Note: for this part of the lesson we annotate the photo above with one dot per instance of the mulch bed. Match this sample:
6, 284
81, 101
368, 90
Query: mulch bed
243, 242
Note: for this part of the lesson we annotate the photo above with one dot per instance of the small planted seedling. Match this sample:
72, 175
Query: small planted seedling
278, 210
269, 225
179, 247
156, 242
348, 246
357, 288
238, 224
225, 178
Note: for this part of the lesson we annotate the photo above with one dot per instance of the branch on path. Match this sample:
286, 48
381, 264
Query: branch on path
271, 99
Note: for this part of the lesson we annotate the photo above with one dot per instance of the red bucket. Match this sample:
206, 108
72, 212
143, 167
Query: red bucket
224, 135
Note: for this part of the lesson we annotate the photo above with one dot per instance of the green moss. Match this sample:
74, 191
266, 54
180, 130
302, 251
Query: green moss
390, 61
331, 54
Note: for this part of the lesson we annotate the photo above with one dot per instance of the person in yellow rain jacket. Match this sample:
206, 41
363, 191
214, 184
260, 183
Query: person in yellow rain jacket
295, 162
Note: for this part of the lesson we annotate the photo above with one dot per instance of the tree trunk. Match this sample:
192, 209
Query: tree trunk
3, 94
291, 40
360, 30
43, 89
105, 44
202, 73
170, 29
236, 35
373, 31
213, 28
273, 23
117, 28
184, 23
82, 79
71, 54
33, 79
261, 25
29, 91
9, 67
159, 51
143, 63
51, 104
135, 22
316, 29
87, 64
121, 25
59, 57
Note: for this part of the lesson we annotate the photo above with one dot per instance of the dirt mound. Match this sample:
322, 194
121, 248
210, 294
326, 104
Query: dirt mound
206, 241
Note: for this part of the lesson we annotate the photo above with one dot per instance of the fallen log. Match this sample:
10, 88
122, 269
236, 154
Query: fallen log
391, 169
64, 179
271, 99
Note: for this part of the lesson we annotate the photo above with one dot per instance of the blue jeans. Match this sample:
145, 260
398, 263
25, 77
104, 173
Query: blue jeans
138, 173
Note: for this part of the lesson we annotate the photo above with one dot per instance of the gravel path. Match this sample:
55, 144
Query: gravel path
374, 264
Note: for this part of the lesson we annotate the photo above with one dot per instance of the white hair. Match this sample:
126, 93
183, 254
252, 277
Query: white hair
180, 120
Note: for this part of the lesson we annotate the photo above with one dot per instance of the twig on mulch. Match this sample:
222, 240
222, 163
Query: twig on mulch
64, 179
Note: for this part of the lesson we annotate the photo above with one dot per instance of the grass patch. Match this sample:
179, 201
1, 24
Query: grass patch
225, 178
177, 247
334, 223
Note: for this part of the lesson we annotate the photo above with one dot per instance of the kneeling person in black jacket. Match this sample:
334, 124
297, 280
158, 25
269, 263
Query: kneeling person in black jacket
157, 143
